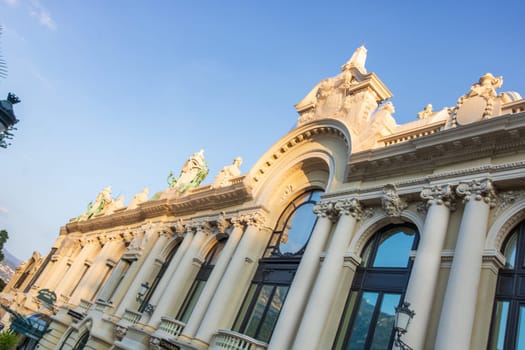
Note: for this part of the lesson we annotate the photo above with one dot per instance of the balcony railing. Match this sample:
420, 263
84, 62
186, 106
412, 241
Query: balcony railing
131, 316
171, 326
102, 306
230, 340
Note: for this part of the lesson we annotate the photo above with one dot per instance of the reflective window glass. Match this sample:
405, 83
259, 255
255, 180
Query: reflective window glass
507, 331
298, 230
362, 322
385, 322
499, 325
394, 248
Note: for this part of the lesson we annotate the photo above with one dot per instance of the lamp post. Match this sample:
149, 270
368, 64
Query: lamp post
142, 292
403, 316
7, 115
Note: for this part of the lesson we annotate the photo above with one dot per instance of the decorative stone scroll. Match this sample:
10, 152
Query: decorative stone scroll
325, 209
255, 219
439, 195
392, 204
479, 190
222, 223
349, 206
506, 199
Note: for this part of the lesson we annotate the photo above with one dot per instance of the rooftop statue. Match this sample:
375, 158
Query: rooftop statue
139, 198
228, 172
102, 201
192, 174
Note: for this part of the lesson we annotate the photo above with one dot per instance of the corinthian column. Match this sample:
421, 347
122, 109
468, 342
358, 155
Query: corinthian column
316, 312
213, 281
459, 306
423, 277
303, 279
183, 276
230, 292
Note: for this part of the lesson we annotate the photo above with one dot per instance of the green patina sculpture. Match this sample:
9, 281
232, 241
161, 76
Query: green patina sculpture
192, 174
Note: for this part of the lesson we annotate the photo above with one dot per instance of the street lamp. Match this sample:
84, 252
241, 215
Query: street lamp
7, 115
142, 292
403, 316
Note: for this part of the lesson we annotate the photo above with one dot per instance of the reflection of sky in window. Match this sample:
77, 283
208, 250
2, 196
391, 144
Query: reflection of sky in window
510, 252
521, 330
300, 228
394, 251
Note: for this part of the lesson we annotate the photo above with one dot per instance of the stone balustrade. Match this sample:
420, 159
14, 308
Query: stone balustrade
230, 340
131, 316
171, 326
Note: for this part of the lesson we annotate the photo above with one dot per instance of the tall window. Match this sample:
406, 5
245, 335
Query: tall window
267, 293
508, 315
157, 279
81, 343
377, 289
200, 281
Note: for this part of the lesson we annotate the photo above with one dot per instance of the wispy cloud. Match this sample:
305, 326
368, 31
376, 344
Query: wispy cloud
3, 210
11, 2
37, 11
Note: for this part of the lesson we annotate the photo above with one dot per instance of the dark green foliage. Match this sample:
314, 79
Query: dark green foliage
3, 238
8, 340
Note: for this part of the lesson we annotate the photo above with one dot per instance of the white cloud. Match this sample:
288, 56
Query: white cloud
3, 210
43, 17
11, 2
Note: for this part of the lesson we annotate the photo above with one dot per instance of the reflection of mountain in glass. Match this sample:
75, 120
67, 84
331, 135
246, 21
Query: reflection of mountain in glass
383, 329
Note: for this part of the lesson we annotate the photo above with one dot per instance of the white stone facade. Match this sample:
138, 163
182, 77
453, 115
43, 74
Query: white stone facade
455, 176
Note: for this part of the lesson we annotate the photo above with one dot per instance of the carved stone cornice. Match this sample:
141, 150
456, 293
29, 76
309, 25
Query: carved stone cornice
392, 204
439, 195
488, 137
349, 206
479, 190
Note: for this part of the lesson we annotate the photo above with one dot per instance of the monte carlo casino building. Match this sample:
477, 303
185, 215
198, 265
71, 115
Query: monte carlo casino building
346, 221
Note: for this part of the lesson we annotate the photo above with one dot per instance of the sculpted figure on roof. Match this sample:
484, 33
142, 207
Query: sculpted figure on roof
193, 172
228, 172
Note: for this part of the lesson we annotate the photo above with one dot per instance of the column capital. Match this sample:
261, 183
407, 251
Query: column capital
237, 221
439, 195
325, 209
349, 206
256, 219
479, 190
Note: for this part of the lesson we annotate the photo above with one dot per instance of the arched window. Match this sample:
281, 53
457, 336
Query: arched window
200, 281
508, 315
377, 289
81, 343
276, 269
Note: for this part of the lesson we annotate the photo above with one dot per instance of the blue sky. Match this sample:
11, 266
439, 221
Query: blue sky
121, 92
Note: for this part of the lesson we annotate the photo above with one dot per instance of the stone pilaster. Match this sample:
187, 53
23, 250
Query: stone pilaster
311, 328
184, 275
459, 305
213, 281
423, 278
235, 282
304, 277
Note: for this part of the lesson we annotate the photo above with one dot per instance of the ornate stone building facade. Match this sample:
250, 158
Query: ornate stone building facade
344, 218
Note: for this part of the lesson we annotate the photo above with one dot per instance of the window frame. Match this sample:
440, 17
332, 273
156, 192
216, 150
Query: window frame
370, 279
